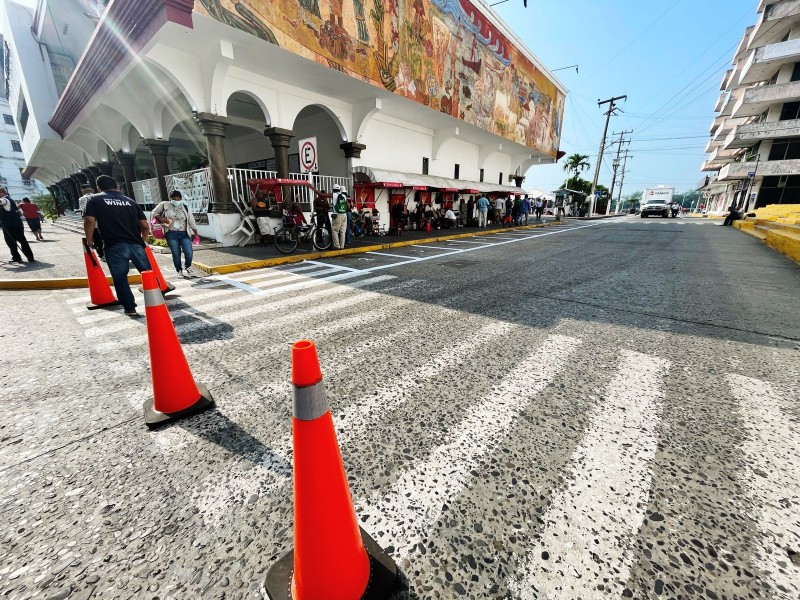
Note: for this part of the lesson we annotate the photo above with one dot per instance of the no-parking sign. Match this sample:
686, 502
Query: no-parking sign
308, 155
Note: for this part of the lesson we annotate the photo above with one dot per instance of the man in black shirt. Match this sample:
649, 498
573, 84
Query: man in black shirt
13, 231
124, 229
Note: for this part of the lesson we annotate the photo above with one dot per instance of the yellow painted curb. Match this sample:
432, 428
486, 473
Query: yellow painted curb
790, 246
61, 283
285, 260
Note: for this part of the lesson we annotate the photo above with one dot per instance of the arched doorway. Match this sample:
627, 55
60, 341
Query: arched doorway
334, 167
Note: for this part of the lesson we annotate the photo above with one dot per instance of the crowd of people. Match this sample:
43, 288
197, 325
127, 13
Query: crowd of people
344, 220
475, 212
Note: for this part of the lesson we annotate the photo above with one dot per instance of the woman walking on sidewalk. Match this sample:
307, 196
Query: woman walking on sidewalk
179, 226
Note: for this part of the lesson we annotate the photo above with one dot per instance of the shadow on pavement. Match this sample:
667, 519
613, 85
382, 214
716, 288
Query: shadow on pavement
228, 435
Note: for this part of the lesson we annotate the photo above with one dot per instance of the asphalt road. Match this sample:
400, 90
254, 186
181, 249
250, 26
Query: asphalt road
601, 410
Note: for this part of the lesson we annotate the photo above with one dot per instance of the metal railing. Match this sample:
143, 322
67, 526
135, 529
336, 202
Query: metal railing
237, 178
146, 193
195, 187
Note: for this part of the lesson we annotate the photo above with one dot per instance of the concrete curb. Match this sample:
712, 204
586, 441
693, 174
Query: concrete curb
284, 260
65, 283
786, 243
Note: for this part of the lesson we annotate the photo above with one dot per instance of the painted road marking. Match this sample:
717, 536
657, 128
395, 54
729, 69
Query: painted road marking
306, 283
605, 495
213, 498
771, 472
432, 247
405, 256
415, 500
184, 328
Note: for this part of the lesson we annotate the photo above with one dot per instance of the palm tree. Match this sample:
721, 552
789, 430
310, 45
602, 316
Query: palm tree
577, 163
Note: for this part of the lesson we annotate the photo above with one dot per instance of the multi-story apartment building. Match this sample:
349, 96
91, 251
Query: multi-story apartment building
407, 102
12, 160
755, 139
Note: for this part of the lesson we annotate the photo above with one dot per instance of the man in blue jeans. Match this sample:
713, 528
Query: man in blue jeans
124, 229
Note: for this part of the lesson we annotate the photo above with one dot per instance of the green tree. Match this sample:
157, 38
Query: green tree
46, 204
577, 163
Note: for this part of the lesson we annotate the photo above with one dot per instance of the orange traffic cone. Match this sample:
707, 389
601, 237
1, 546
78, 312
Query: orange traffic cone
163, 285
333, 559
175, 392
100, 293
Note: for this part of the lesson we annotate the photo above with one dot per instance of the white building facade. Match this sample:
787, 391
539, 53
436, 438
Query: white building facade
201, 95
754, 151
12, 160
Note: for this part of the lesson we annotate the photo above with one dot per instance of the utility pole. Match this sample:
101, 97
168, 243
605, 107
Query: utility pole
622, 179
611, 108
615, 165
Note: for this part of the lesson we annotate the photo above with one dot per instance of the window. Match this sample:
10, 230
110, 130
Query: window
500, 181
785, 149
425, 165
8, 119
456, 170
779, 190
15, 146
790, 110
796, 72
23, 116
481, 174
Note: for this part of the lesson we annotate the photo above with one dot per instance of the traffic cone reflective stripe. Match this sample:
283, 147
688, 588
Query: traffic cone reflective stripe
175, 392
100, 293
333, 559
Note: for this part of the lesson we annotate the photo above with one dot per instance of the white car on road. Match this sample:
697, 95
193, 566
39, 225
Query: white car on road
655, 207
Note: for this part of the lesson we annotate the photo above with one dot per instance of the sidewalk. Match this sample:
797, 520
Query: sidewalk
60, 260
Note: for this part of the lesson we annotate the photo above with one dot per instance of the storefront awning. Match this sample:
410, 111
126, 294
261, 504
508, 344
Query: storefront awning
386, 178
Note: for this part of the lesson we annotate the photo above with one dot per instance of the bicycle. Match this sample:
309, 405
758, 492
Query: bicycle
290, 235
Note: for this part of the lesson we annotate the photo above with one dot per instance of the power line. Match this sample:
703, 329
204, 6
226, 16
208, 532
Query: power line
634, 40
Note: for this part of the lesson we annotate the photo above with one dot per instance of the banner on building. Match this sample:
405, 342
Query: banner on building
365, 197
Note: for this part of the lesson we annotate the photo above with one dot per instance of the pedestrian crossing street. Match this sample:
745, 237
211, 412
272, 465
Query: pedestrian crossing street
442, 422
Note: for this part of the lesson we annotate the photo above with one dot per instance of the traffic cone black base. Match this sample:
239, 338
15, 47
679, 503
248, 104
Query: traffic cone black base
382, 574
91, 306
154, 419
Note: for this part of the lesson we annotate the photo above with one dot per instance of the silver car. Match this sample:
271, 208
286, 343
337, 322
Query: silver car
655, 207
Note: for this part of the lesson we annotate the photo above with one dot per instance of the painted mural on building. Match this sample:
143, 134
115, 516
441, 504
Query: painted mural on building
444, 54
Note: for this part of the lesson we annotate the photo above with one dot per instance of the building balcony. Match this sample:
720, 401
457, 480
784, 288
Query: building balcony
776, 21
737, 170
756, 100
722, 156
744, 136
720, 101
742, 170
730, 102
725, 80
743, 43
712, 166
765, 61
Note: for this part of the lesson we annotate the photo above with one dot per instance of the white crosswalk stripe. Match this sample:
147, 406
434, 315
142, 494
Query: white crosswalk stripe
204, 301
601, 506
260, 309
403, 516
772, 476
214, 496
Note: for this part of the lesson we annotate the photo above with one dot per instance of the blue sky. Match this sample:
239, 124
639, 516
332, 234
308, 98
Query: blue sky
668, 56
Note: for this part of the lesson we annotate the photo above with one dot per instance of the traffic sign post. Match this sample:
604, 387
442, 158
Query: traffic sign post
308, 155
